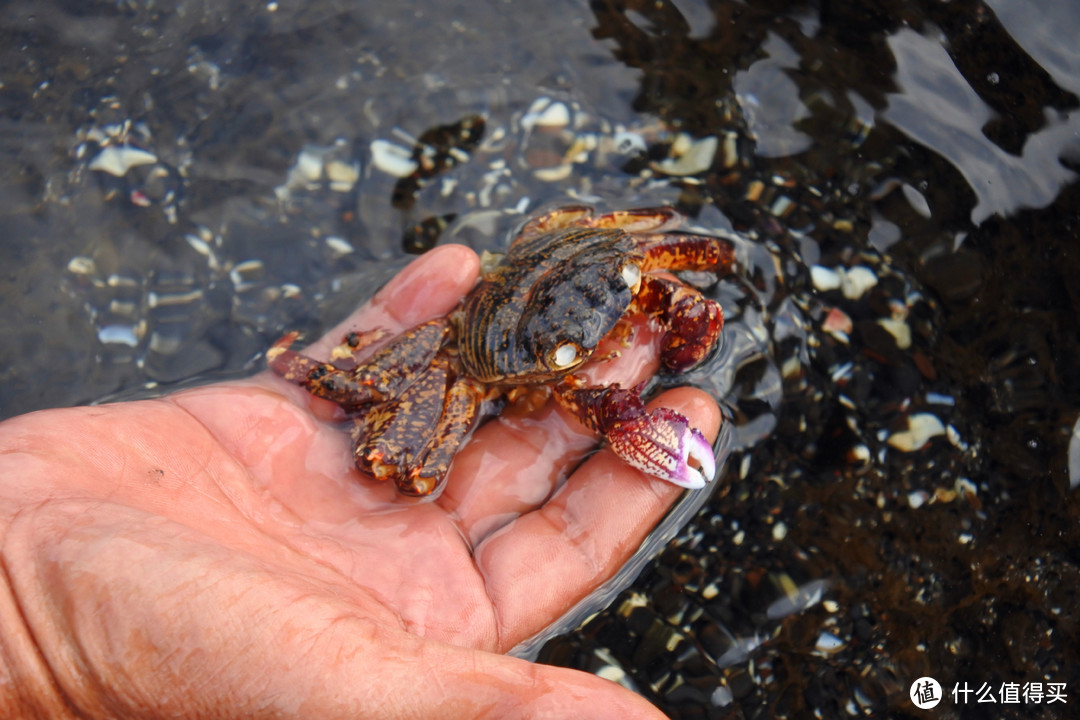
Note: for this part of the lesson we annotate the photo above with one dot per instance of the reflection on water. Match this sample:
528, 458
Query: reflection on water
181, 184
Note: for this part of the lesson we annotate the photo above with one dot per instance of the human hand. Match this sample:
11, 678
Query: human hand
215, 553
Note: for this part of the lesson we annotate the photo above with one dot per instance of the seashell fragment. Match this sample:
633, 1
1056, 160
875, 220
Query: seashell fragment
342, 175
555, 115
339, 246
546, 113
921, 428
899, 329
827, 643
554, 173
856, 281
245, 275
82, 265
118, 334
392, 159
309, 165
917, 498
118, 159
825, 279
695, 157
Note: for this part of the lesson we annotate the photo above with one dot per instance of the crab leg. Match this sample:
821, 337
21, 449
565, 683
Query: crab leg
413, 438
661, 443
692, 323
675, 252
382, 376
639, 220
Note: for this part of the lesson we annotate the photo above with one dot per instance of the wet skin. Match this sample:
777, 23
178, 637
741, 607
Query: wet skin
570, 281
216, 553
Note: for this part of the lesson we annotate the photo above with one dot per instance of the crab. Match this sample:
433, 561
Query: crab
570, 279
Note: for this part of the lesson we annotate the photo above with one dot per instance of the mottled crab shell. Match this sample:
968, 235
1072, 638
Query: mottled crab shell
540, 314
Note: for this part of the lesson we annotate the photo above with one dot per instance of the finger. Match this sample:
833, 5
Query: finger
538, 566
428, 287
274, 434
510, 467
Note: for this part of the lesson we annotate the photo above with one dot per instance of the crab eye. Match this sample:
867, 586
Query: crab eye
565, 355
631, 275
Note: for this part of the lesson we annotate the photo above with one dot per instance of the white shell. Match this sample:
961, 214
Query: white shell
858, 280
546, 113
82, 265
339, 246
118, 159
900, 331
555, 115
921, 427
828, 643
554, 173
392, 159
342, 175
825, 279
697, 159
309, 165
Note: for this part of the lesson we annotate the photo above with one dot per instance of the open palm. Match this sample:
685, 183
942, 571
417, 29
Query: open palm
214, 553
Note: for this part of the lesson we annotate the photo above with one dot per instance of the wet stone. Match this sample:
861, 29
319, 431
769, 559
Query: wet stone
616, 637
714, 640
671, 602
696, 690
641, 619
739, 682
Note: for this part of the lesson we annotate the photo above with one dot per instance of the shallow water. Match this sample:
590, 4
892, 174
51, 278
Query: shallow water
903, 505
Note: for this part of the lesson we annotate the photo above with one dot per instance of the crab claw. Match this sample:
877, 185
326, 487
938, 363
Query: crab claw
663, 444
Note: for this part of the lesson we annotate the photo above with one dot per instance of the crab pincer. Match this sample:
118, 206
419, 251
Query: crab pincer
661, 443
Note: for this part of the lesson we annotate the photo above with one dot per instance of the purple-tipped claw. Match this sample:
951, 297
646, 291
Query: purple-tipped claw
663, 444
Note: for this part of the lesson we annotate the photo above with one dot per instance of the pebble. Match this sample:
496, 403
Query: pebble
309, 165
339, 246
342, 175
827, 643
546, 113
825, 279
692, 157
922, 427
856, 281
838, 324
81, 265
852, 282
555, 115
899, 329
121, 334
917, 499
